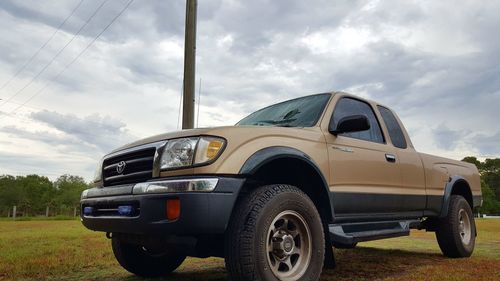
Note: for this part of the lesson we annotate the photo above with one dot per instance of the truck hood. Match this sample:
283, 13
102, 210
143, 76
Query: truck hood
230, 132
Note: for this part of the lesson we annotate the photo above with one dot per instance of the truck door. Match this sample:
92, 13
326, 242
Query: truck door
364, 172
412, 170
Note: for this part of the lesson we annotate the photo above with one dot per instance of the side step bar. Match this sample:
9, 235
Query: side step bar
348, 233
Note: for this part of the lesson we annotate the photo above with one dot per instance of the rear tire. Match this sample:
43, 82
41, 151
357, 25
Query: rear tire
456, 233
139, 261
275, 233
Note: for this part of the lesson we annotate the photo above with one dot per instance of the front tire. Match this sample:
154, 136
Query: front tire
275, 233
456, 233
145, 263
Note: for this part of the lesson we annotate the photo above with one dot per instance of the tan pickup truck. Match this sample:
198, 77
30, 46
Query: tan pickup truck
273, 193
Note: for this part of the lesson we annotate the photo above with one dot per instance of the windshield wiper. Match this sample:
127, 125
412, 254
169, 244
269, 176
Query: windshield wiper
272, 122
277, 123
291, 114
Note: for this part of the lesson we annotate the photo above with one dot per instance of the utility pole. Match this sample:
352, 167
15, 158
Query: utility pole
189, 65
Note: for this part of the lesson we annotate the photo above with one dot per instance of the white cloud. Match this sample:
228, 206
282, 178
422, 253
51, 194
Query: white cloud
345, 40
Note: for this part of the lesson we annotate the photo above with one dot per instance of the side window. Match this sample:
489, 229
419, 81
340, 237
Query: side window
346, 107
395, 131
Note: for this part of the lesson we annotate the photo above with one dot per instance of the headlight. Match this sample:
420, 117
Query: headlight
186, 152
178, 153
98, 172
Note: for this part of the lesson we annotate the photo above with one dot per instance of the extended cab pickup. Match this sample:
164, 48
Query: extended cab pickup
273, 193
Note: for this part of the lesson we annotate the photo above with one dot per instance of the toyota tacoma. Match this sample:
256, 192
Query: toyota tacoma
275, 192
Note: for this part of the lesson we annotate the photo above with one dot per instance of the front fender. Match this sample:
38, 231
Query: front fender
269, 154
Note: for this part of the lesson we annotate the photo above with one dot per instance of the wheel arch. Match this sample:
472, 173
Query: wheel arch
281, 164
456, 185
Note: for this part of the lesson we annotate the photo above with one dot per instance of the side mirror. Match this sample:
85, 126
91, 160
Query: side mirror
352, 123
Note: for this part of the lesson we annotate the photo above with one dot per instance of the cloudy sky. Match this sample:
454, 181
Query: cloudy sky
437, 63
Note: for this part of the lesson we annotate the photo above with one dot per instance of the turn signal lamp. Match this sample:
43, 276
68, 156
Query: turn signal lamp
208, 149
214, 146
173, 209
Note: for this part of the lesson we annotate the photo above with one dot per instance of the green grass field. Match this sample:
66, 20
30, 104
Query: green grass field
65, 250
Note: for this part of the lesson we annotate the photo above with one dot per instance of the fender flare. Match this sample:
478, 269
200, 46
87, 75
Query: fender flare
268, 154
447, 193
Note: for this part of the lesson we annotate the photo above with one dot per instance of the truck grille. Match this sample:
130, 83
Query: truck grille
131, 167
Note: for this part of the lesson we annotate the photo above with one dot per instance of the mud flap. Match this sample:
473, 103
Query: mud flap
329, 262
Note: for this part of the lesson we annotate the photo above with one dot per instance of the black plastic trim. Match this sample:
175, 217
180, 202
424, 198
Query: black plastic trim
357, 206
268, 154
447, 194
434, 205
376, 216
349, 233
132, 161
128, 176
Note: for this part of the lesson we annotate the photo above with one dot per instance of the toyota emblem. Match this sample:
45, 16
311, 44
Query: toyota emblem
121, 167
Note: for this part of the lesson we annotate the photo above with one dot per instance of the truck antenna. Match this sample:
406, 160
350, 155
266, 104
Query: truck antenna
199, 101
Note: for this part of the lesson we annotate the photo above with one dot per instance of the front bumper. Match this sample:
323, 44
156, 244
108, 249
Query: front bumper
201, 212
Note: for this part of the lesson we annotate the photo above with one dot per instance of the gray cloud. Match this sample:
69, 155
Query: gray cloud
448, 139
73, 144
102, 133
488, 145
27, 163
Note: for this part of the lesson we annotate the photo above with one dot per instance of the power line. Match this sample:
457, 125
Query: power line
72, 61
18, 103
57, 54
42, 47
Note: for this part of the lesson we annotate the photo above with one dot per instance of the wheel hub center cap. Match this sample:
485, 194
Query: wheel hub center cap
283, 245
288, 244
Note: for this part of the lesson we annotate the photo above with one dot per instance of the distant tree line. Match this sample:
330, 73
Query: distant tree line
35, 195
490, 183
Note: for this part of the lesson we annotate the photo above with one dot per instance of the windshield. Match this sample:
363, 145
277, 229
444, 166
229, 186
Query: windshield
301, 112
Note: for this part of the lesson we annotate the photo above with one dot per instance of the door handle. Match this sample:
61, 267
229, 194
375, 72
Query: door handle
390, 158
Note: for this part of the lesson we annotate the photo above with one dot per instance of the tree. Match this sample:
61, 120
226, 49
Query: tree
32, 194
69, 188
473, 160
10, 193
490, 171
35, 193
490, 183
490, 204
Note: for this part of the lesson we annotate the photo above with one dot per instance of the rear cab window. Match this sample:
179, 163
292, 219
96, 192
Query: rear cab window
395, 132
